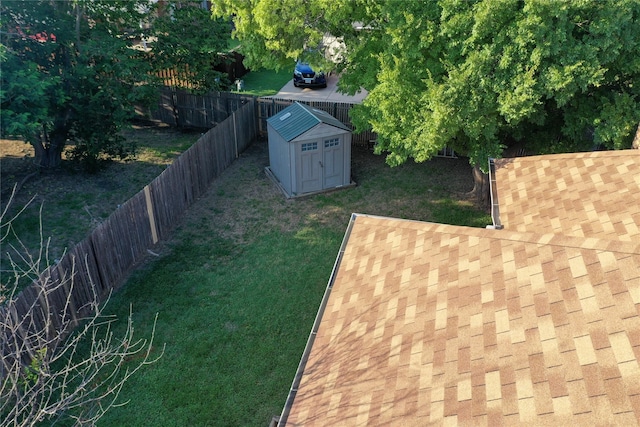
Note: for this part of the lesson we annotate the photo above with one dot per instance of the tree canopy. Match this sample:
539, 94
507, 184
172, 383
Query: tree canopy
472, 75
71, 72
188, 40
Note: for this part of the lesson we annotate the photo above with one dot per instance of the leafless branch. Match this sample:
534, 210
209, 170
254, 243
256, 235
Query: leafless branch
60, 361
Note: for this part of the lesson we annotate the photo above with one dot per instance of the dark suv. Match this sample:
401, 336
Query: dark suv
304, 76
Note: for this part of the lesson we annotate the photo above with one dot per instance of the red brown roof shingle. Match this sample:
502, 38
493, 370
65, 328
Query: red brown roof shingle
595, 194
431, 324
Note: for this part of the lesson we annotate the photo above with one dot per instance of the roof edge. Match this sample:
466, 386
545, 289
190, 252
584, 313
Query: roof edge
316, 325
576, 155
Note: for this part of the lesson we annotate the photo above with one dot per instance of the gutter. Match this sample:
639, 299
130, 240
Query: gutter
495, 205
314, 330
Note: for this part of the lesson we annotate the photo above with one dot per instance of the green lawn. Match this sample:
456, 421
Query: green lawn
265, 82
235, 321
239, 286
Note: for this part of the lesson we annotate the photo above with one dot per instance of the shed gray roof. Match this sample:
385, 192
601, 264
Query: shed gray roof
298, 118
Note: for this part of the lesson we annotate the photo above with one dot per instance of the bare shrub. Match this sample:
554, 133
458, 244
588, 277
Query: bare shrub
59, 362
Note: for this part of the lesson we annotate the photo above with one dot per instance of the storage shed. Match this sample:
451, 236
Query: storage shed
309, 151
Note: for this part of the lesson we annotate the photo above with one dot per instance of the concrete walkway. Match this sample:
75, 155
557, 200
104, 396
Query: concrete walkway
330, 93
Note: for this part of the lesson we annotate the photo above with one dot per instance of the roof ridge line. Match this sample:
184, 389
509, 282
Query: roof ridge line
576, 155
552, 239
306, 108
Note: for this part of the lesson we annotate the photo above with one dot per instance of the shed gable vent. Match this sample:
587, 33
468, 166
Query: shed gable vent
285, 116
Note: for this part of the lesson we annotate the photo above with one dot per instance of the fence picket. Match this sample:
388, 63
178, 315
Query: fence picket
103, 260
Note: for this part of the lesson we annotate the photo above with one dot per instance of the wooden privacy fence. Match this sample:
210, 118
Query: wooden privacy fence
176, 78
230, 64
101, 262
180, 108
183, 109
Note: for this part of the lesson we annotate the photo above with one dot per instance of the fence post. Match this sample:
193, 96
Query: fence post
235, 132
205, 110
152, 218
174, 102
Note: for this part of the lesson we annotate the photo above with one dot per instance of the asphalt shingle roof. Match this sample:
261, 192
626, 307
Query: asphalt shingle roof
432, 324
595, 194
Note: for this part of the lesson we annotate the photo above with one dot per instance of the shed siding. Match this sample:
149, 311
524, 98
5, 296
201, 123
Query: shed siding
347, 158
299, 171
280, 159
293, 166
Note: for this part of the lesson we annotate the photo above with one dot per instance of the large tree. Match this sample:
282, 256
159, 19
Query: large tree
473, 75
69, 74
189, 41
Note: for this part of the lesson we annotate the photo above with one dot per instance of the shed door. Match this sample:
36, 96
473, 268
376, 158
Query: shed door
310, 167
333, 163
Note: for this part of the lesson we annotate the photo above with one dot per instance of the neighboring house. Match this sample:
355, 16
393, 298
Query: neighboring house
537, 323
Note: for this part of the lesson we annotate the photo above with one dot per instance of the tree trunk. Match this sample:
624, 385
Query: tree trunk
48, 156
51, 142
481, 189
636, 141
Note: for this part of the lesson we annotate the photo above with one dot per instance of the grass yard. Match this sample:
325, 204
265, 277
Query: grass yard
265, 82
234, 319
238, 287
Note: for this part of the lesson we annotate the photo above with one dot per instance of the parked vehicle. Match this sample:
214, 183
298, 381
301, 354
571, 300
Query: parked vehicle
305, 76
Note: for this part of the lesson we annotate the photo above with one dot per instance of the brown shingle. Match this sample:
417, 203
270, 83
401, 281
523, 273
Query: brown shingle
538, 323
593, 194
518, 356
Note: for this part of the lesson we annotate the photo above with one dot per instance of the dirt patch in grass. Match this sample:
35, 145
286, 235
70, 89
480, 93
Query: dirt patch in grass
241, 204
74, 201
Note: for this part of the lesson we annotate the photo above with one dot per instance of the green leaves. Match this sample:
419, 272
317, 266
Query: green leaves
189, 41
69, 73
23, 108
474, 75
617, 117
273, 33
498, 70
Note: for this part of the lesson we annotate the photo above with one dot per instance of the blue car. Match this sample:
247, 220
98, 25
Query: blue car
305, 76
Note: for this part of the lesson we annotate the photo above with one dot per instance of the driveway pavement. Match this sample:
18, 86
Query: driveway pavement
330, 93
